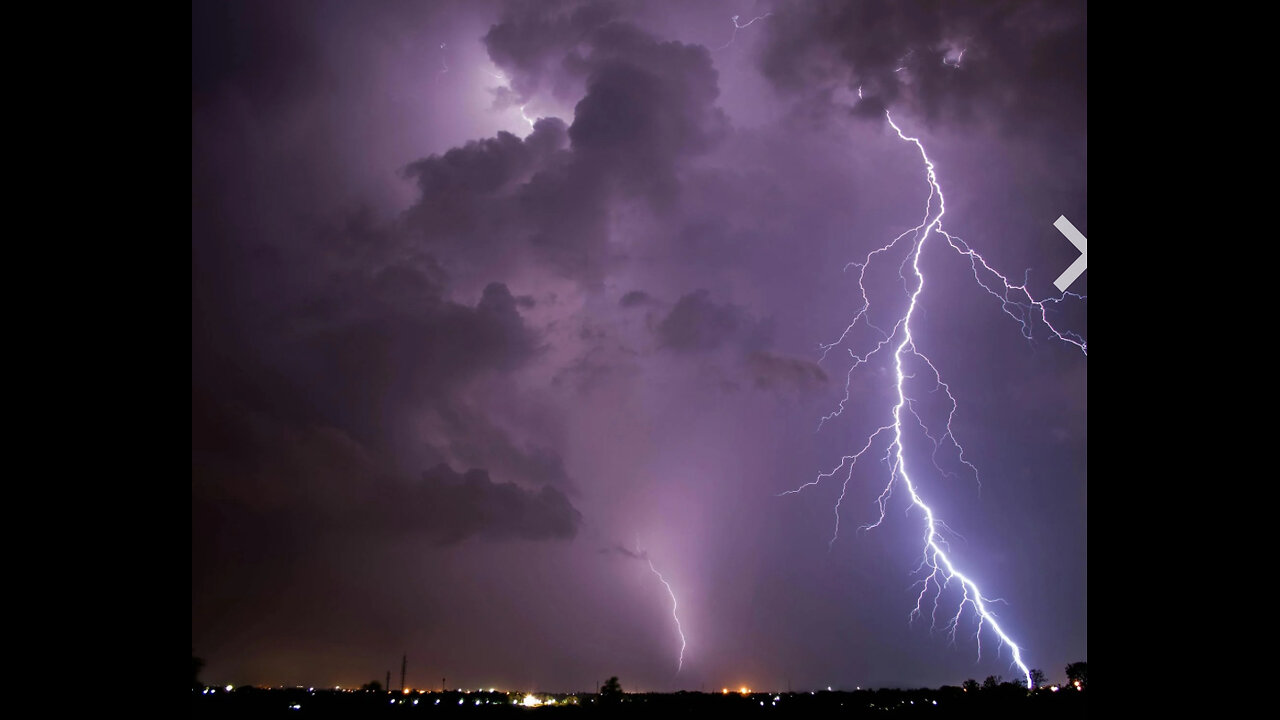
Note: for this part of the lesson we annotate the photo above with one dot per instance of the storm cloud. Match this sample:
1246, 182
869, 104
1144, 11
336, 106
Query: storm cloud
699, 323
1019, 64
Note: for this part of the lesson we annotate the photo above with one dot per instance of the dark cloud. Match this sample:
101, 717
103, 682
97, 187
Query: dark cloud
251, 45
623, 551
697, 323
1022, 62
647, 108
779, 372
395, 344
502, 201
481, 169
535, 42
355, 362
321, 480
636, 298
452, 507
601, 365
476, 440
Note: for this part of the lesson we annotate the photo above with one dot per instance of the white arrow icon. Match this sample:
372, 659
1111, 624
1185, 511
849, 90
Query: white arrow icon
1069, 275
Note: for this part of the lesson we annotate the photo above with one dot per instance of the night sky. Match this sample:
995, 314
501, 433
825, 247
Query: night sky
455, 377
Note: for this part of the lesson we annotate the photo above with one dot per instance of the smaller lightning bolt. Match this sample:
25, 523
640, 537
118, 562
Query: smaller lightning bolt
526, 117
444, 65
507, 84
674, 605
904, 61
737, 27
956, 62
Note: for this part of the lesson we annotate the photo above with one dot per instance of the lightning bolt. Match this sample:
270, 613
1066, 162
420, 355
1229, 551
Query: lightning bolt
1015, 301
506, 83
737, 27
674, 606
526, 117
956, 63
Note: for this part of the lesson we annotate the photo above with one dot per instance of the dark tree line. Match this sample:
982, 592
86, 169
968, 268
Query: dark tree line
611, 692
1077, 675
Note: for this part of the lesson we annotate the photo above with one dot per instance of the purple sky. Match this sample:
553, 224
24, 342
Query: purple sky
450, 370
